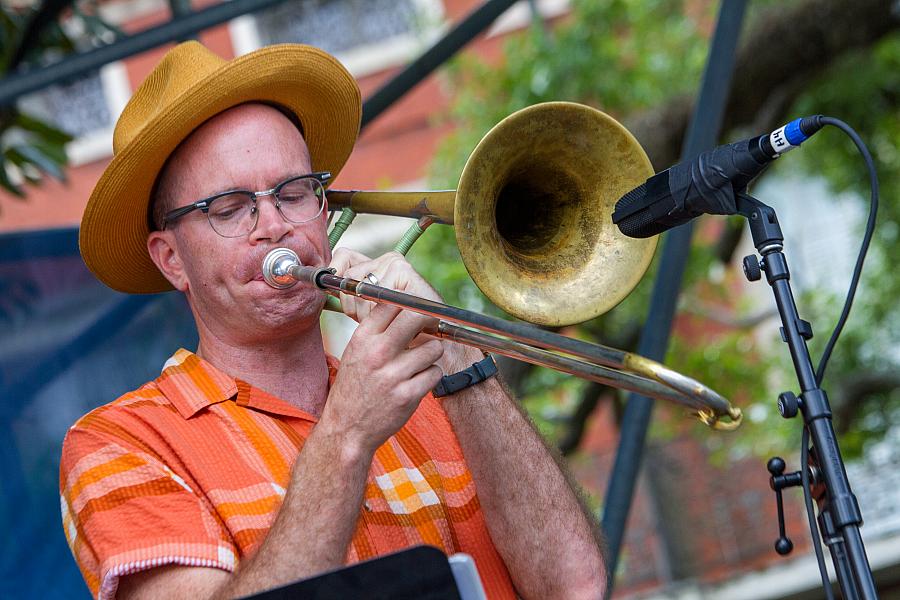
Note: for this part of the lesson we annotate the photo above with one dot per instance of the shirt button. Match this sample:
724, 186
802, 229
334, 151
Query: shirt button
368, 506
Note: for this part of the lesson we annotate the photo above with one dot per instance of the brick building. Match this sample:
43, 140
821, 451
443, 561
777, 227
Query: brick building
695, 531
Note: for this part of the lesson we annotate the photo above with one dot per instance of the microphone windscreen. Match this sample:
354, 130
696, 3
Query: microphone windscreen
641, 212
631, 216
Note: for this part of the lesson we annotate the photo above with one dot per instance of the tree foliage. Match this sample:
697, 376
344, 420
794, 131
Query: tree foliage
29, 38
630, 57
862, 89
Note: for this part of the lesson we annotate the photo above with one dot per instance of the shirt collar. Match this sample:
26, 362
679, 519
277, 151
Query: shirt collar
191, 384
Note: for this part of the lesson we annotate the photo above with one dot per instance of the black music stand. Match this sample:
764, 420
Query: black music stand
420, 573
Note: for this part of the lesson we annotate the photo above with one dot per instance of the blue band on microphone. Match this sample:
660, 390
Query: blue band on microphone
794, 135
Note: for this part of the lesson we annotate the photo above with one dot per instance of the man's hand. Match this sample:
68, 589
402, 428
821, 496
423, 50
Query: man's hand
519, 483
393, 271
387, 367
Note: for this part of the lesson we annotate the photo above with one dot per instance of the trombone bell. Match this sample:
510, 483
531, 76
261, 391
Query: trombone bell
533, 210
532, 213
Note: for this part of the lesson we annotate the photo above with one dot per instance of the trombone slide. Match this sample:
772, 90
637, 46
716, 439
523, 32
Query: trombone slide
528, 343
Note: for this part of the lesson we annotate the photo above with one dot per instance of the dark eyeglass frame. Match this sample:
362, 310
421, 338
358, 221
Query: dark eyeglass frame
203, 205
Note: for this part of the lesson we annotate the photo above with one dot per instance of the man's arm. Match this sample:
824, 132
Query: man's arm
318, 516
545, 535
548, 539
310, 534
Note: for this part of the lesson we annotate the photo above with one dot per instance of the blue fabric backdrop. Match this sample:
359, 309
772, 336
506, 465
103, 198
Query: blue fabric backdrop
67, 345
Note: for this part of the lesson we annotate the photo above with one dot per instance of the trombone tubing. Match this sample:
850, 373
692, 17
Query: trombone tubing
559, 362
438, 205
647, 376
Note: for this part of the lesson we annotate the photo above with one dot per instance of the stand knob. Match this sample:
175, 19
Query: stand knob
775, 466
788, 406
751, 268
783, 546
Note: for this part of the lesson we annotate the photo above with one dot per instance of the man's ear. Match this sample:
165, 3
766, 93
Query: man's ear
163, 249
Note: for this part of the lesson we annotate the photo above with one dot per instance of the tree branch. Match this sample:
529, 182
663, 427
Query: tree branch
854, 390
568, 443
785, 46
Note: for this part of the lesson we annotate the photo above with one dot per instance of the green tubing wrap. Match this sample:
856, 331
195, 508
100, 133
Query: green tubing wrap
343, 222
409, 238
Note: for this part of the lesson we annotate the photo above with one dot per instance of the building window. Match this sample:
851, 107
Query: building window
367, 36
85, 107
78, 106
337, 25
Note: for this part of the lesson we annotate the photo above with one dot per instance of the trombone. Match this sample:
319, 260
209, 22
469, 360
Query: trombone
282, 269
532, 220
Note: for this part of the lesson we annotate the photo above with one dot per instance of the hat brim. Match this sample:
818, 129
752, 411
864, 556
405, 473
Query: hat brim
304, 80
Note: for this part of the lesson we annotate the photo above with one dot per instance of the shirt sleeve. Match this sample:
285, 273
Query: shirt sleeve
124, 511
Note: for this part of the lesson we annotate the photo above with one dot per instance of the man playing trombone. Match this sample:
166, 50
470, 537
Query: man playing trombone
258, 460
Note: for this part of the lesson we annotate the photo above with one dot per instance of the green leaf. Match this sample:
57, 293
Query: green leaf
7, 184
56, 152
9, 35
98, 27
42, 161
44, 130
19, 159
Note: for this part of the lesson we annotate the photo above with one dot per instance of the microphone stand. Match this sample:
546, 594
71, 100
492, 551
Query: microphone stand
839, 514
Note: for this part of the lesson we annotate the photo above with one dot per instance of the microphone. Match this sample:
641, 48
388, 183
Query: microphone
706, 184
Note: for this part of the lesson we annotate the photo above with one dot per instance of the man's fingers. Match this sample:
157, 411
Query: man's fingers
350, 307
355, 265
394, 329
379, 319
391, 270
407, 325
344, 259
383, 268
423, 381
421, 357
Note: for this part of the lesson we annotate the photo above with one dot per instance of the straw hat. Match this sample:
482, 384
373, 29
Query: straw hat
189, 86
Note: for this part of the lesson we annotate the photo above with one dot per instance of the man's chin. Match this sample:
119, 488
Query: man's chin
298, 302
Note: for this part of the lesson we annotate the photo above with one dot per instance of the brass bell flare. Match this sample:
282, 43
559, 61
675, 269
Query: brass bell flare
533, 208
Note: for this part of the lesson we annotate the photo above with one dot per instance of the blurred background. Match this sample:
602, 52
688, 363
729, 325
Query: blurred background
703, 520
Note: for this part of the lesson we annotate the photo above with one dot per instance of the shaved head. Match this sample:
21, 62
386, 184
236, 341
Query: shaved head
165, 195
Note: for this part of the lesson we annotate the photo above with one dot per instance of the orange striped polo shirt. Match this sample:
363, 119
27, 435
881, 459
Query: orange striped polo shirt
191, 469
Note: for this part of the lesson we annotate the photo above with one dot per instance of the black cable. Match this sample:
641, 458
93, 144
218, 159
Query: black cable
832, 341
810, 514
864, 248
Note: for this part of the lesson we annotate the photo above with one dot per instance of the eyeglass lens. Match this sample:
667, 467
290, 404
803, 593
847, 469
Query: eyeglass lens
298, 201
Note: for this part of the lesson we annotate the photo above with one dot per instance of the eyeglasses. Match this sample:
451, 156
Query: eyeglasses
234, 213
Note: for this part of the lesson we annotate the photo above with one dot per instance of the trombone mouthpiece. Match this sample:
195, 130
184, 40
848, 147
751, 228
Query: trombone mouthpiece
276, 268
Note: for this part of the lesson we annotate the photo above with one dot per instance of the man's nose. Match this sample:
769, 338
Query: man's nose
270, 224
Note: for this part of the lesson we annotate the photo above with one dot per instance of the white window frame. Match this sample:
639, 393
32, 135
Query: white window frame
97, 144
360, 61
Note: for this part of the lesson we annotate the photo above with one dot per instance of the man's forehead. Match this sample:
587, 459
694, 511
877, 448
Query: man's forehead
249, 145
248, 124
